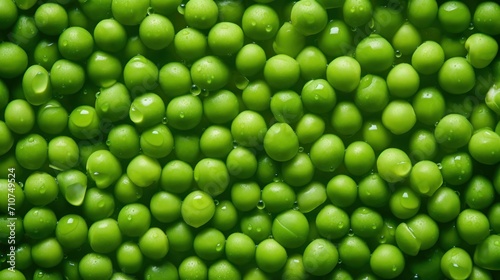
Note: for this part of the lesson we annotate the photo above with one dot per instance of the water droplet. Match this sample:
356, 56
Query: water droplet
249, 227
195, 90
129, 217
439, 165
241, 81
398, 53
219, 247
181, 8
164, 120
97, 94
108, 142
301, 149
216, 202
471, 26
136, 115
354, 29
151, 11
40, 82
269, 28
261, 204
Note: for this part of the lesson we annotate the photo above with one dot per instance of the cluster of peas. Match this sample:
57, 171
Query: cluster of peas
265, 139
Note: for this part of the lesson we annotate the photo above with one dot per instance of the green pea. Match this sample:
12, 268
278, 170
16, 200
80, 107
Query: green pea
456, 168
19, 116
456, 263
357, 12
190, 44
344, 73
249, 129
332, 222
36, 85
482, 15
239, 248
156, 31
483, 146
290, 229
393, 165
250, 60
294, 268
270, 256
318, 96
187, 147
23, 256
327, 153
456, 76
147, 110
73, 186
406, 39
95, 266
39, 222
154, 243
281, 71
486, 252
429, 105
428, 58
84, 123
481, 50
51, 18
184, 112
9, 14
25, 34
201, 14
346, 118
216, 141
354, 252
140, 74
359, 158
137, 167
66, 77
52, 117
336, 39
223, 269
129, 12
31, 151
257, 95
472, 226
15, 60
209, 73
453, 131
422, 13
109, 35
96, 10
387, 261
311, 197
209, 244
260, 22
71, 231
479, 192
375, 134
286, 106
7, 142
482, 117
221, 106
342, 190
399, 117
225, 217
98, 204
309, 128
241, 163
267, 169
405, 203
320, 257
257, 225
157, 141
129, 257
47, 253
308, 17
444, 205
174, 79
134, 219
165, 207
176, 176
281, 142
193, 268
211, 176
245, 195
125, 191
278, 197
372, 94
375, 54
373, 191
403, 81
123, 141
225, 38
454, 16
103, 69
104, 168
425, 177
63, 153
453, 46
289, 40
40, 188
418, 233
197, 208
104, 236
180, 236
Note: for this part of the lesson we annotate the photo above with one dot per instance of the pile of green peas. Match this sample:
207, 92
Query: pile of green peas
249, 139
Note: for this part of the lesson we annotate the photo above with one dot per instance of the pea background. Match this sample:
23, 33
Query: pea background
250, 139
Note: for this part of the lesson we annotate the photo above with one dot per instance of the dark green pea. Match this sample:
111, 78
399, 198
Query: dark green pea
9, 14
98, 204
327, 153
125, 191
373, 191
123, 141
428, 264
174, 79
23, 256
257, 225
486, 254
39, 222
6, 142
342, 190
493, 215
4, 95
354, 252
456, 168
180, 236
336, 39
24, 33
298, 171
76, 17
225, 216
19, 116
209, 244
375, 134
479, 192
187, 147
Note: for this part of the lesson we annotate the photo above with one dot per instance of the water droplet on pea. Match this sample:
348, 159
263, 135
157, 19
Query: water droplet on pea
398, 54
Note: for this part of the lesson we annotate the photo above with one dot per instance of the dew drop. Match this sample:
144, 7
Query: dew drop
261, 204
181, 8
398, 53
195, 90
164, 120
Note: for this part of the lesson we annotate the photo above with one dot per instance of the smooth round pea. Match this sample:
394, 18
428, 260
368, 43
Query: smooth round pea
66, 77
406, 39
481, 50
95, 266
373, 191
51, 18
225, 38
267, 170
484, 146
157, 141
270, 256
281, 71
354, 252
366, 222
239, 248
19, 116
40, 188
15, 60
318, 96
320, 257
39, 222
103, 69
428, 58
47, 253
36, 85
332, 222
201, 14
404, 203
110, 35
393, 165
241, 163
387, 261
309, 128
372, 94
216, 141
249, 129
104, 168
125, 191
123, 141
245, 195
429, 105
147, 110
294, 268
257, 95
486, 253
184, 112
375, 134
75, 43
104, 236
357, 12
180, 236
425, 177
211, 176
187, 147
342, 190
140, 75
456, 168
209, 244
346, 118
129, 12
24, 33
225, 216
286, 106
190, 44
456, 76
281, 142
223, 269
52, 117
72, 185
176, 176
422, 145
482, 117
156, 31
136, 170
290, 229
250, 60
134, 219
375, 54
344, 73
482, 18
165, 207
422, 13
9, 14
453, 131
197, 208
63, 152
359, 158
71, 231
7, 142
129, 257
84, 123
454, 16
311, 196
456, 263
210, 73
472, 226
335, 39
31, 151
257, 225
308, 17
403, 81
399, 117
193, 268
154, 243
221, 106
479, 192
327, 153
444, 205
278, 197
260, 22
289, 40
174, 79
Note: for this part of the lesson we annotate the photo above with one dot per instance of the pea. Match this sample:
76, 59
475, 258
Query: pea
485, 11
375, 54
104, 236
375, 134
250, 60
193, 268
428, 58
39, 222
190, 44
104, 168
36, 85
248, 128
71, 231
454, 16
40, 188
278, 197
481, 50
429, 105
197, 208
24, 33
9, 14
387, 261
230, 11
225, 38
342, 190
372, 94
110, 35
270, 256
211, 176
456, 168
318, 96
366, 222
456, 263
399, 117
7, 142
327, 153
47, 253
129, 257
180, 236
15, 58
129, 12
332, 222
136, 167
19, 116
63, 153
294, 267
281, 142
176, 176
187, 147
289, 40
72, 185
357, 12
444, 205
134, 219
483, 146
335, 39
256, 95
493, 212
308, 17
165, 207
66, 77
403, 81
406, 39
346, 118
154, 243
418, 233
267, 169
257, 225
482, 117
260, 22
95, 266
281, 71
31, 151
216, 141
241, 163
344, 73
320, 257
422, 13
140, 75
472, 226
223, 269
359, 158
485, 253
354, 252
184, 112
309, 128
405, 203
23, 256
456, 76
221, 106
393, 165
479, 192
286, 106
156, 31
311, 197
